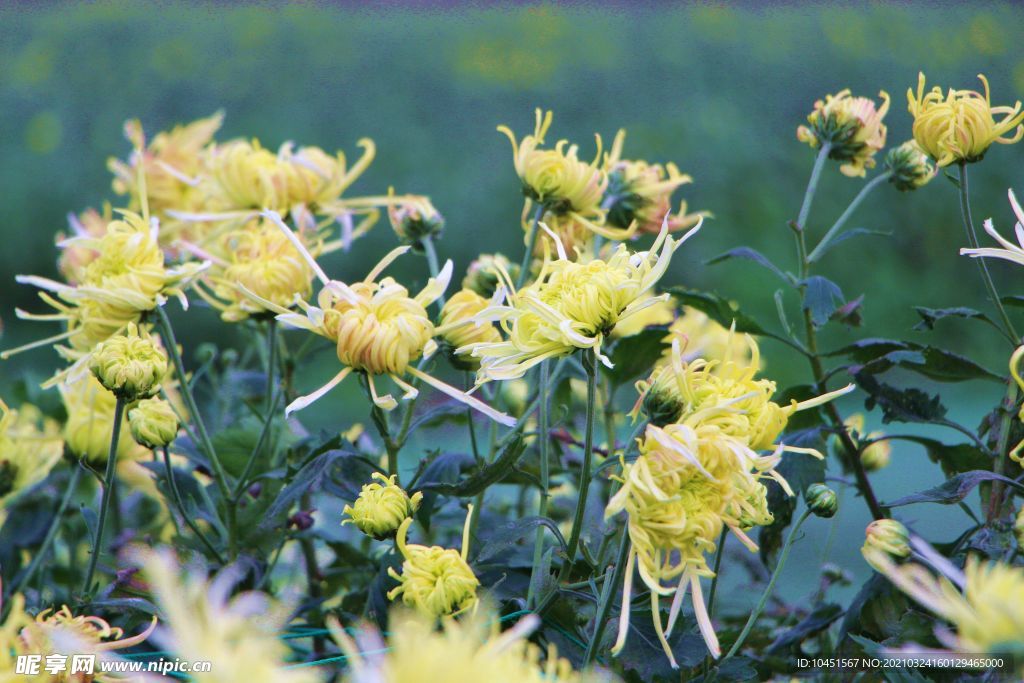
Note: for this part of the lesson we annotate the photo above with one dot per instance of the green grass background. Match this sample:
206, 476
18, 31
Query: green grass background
718, 89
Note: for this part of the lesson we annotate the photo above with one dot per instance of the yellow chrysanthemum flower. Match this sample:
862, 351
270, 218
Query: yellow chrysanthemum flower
239, 636
459, 325
73, 259
87, 431
851, 126
874, 456
558, 180
961, 126
435, 581
30, 445
467, 650
378, 328
259, 257
982, 602
173, 166
642, 192
61, 632
571, 305
127, 278
689, 481
381, 507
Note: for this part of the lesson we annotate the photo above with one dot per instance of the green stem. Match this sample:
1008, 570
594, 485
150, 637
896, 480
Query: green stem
719, 551
531, 243
612, 578
51, 534
812, 185
768, 589
543, 442
996, 494
220, 476
590, 365
180, 503
431, 253
841, 221
109, 481
467, 379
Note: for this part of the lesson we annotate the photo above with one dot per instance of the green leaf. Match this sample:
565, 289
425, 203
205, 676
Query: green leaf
952, 458
864, 351
817, 621
954, 490
852, 232
507, 535
634, 356
719, 309
880, 355
821, 297
484, 477
900, 405
308, 478
930, 316
1014, 300
749, 254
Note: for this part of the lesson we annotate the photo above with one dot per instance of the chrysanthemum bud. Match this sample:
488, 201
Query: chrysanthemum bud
153, 423
821, 500
851, 126
381, 508
910, 166
131, 365
458, 328
661, 402
414, 218
482, 275
887, 536
436, 581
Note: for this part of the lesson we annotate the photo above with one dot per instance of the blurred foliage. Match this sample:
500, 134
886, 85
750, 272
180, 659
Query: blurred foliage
718, 89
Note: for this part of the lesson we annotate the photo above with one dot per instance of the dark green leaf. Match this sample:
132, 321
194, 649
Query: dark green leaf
900, 405
817, 621
880, 355
866, 350
852, 232
484, 477
1015, 301
821, 297
750, 255
929, 316
952, 458
954, 490
634, 356
306, 479
506, 535
719, 309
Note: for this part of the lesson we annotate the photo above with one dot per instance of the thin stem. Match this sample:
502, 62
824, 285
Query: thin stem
841, 221
51, 533
543, 442
590, 365
531, 243
996, 494
109, 480
812, 185
271, 361
612, 578
431, 253
714, 579
467, 379
220, 476
180, 503
768, 589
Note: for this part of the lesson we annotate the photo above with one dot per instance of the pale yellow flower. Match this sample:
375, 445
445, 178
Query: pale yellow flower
851, 126
961, 126
435, 581
642, 192
459, 325
200, 622
87, 431
30, 446
377, 326
381, 507
469, 650
571, 305
73, 259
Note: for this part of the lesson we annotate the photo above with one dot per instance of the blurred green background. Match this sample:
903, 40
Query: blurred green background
719, 90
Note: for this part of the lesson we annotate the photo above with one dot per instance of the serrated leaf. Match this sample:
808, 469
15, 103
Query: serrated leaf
307, 479
954, 490
821, 298
876, 356
749, 254
930, 316
634, 356
719, 309
504, 536
900, 405
484, 477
